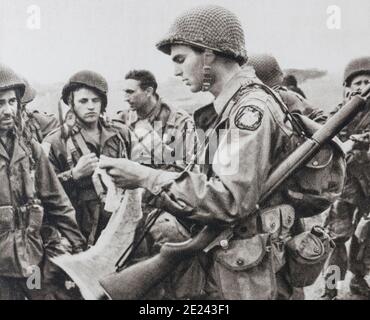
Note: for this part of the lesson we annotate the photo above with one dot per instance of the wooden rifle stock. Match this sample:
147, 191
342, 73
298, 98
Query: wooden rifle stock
135, 281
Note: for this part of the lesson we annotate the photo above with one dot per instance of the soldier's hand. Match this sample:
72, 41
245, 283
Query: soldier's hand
85, 166
125, 173
361, 138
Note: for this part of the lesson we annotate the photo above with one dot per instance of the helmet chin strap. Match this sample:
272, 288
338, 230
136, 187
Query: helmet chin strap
207, 77
75, 120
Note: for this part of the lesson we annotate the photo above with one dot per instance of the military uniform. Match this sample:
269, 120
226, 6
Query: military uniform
229, 189
40, 124
346, 213
114, 142
67, 144
354, 203
269, 72
21, 243
247, 139
165, 138
32, 200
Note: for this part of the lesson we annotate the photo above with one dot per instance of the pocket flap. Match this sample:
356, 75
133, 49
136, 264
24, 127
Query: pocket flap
270, 220
243, 254
7, 218
287, 216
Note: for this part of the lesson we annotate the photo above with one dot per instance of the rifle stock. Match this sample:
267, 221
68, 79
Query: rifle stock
135, 281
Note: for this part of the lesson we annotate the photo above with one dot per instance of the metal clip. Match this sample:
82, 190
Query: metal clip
223, 237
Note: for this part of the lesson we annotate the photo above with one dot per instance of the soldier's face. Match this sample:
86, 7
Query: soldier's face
188, 65
8, 110
87, 105
360, 82
357, 84
136, 97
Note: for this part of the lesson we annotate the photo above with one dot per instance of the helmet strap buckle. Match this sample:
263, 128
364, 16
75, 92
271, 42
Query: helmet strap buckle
207, 77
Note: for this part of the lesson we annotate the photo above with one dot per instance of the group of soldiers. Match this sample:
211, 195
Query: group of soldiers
53, 203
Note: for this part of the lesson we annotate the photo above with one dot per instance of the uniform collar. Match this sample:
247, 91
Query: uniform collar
4, 153
204, 116
154, 113
159, 113
244, 76
106, 132
18, 151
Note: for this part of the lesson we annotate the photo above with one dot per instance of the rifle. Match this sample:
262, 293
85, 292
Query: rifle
61, 120
135, 281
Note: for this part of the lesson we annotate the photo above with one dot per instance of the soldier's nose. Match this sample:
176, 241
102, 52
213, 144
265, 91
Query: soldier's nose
91, 106
177, 71
8, 109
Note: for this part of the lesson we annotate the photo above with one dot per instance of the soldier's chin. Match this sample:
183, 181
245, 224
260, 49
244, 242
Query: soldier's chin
90, 120
6, 125
195, 88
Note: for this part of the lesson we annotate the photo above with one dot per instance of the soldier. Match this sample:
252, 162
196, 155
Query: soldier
291, 83
354, 203
74, 153
150, 117
31, 197
164, 138
206, 45
269, 72
39, 124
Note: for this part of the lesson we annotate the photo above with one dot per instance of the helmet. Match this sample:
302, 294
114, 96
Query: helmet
290, 80
10, 80
89, 79
208, 27
267, 69
356, 67
29, 93
315, 186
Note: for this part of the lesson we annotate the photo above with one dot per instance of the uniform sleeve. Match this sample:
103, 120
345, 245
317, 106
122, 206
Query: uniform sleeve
47, 123
53, 149
56, 203
241, 164
185, 141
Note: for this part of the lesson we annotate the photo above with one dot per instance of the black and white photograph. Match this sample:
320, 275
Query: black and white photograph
202, 151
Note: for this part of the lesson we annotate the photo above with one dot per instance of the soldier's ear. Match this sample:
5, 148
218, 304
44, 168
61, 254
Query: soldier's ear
149, 91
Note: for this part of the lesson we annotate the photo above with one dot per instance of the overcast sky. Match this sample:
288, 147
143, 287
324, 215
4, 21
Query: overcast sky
113, 36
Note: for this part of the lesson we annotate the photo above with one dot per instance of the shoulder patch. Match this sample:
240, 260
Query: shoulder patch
248, 117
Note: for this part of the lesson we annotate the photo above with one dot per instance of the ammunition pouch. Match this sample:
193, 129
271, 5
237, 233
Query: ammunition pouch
246, 267
167, 229
21, 245
306, 256
244, 270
